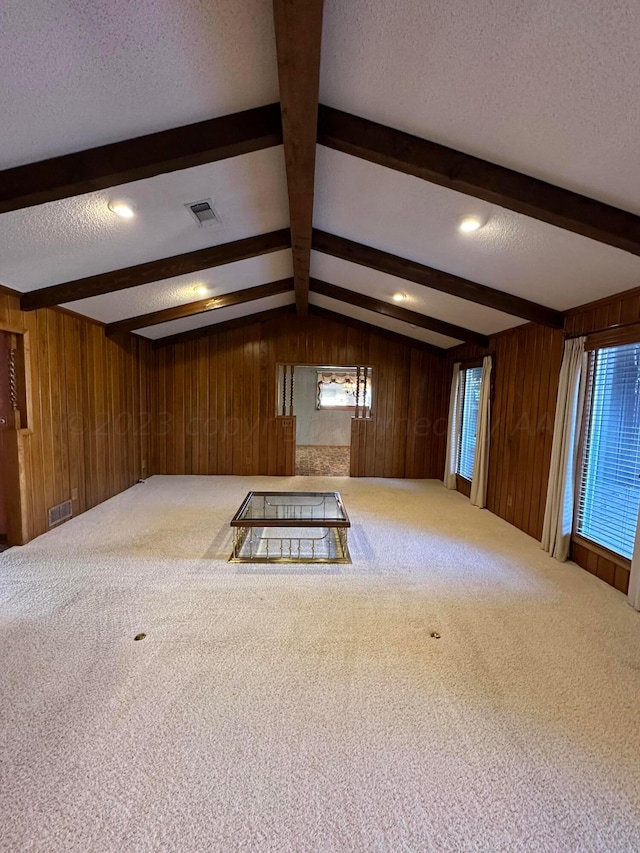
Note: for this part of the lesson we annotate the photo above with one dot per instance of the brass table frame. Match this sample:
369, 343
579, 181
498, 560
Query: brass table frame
250, 545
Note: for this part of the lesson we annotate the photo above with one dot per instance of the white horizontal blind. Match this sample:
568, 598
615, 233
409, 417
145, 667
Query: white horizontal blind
471, 380
609, 484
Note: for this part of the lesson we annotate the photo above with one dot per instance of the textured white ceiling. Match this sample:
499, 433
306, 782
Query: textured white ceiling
381, 322
550, 88
432, 303
199, 321
179, 290
418, 220
80, 73
77, 237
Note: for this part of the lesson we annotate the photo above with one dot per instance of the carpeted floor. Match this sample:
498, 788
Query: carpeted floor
322, 461
308, 708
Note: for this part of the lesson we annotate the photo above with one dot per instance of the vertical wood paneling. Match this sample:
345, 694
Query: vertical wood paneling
526, 372
231, 375
525, 382
88, 399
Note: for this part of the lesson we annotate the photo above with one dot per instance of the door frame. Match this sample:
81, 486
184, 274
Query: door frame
15, 437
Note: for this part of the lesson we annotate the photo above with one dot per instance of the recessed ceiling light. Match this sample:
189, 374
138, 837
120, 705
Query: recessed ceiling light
123, 207
469, 224
399, 297
201, 289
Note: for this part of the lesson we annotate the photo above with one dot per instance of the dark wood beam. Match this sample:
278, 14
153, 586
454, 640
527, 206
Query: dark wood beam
202, 259
478, 178
226, 326
298, 28
142, 157
384, 262
405, 340
396, 313
225, 300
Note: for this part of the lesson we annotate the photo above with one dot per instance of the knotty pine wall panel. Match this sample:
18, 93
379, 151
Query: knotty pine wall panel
214, 399
89, 434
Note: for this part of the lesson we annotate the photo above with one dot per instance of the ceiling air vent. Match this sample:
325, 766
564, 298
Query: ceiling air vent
204, 212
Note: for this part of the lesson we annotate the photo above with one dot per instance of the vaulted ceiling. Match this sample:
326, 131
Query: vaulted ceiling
526, 115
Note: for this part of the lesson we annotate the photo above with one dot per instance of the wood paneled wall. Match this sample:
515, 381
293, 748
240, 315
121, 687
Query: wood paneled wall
526, 369
89, 432
214, 399
615, 311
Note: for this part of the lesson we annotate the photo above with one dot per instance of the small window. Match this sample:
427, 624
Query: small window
609, 474
340, 391
469, 399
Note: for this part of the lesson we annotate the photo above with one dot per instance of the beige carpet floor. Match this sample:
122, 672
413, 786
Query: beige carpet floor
308, 708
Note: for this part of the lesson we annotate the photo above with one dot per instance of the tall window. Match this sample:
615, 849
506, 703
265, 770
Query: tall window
609, 476
470, 381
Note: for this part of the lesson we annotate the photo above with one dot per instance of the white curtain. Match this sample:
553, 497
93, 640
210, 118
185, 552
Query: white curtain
453, 430
634, 580
478, 494
558, 514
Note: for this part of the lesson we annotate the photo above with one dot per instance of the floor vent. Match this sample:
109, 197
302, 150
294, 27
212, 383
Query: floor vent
59, 513
204, 212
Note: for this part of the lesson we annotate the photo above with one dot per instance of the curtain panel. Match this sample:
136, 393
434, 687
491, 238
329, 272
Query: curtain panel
478, 496
453, 430
558, 515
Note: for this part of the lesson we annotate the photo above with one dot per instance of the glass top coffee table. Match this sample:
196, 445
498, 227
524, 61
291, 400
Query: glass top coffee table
291, 527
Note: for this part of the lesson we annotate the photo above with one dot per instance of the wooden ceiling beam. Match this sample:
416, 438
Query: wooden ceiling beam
395, 312
479, 178
384, 262
201, 259
395, 337
142, 157
225, 326
213, 303
298, 29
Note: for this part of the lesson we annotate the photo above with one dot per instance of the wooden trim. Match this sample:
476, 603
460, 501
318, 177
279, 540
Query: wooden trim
227, 325
298, 30
77, 316
629, 333
225, 300
18, 532
10, 329
370, 327
28, 383
614, 558
463, 485
143, 157
377, 306
470, 363
472, 176
606, 300
213, 256
586, 402
9, 291
376, 259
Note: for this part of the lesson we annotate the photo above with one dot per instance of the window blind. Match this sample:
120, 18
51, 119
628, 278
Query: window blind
609, 483
470, 389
